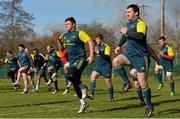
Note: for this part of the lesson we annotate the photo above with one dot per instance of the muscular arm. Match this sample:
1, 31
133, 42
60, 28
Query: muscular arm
140, 34
168, 57
122, 41
60, 45
91, 48
136, 36
153, 54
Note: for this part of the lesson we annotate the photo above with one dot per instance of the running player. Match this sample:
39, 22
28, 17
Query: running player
74, 41
166, 62
40, 66
64, 58
103, 66
54, 64
137, 54
31, 69
12, 61
25, 64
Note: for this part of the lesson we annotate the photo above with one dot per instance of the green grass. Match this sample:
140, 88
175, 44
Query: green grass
46, 105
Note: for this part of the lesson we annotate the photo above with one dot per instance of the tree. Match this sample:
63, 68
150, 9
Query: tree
15, 24
97, 28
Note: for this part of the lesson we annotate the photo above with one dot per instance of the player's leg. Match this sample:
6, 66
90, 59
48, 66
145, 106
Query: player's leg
43, 71
94, 76
74, 75
55, 79
171, 82
40, 73
67, 82
38, 83
141, 64
106, 73
122, 73
50, 70
11, 74
133, 73
159, 76
30, 79
110, 89
19, 74
121, 60
25, 79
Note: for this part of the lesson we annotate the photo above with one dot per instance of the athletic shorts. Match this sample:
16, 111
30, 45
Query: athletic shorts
167, 68
79, 65
104, 71
40, 72
141, 64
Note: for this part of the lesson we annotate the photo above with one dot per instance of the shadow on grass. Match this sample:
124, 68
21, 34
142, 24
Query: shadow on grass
136, 106
38, 104
165, 101
169, 111
134, 98
118, 108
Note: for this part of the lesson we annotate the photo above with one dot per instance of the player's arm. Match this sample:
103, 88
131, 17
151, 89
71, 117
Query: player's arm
140, 33
30, 58
153, 54
45, 61
170, 54
59, 38
86, 39
122, 41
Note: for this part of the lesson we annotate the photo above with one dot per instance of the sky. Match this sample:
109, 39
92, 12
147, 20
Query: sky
50, 14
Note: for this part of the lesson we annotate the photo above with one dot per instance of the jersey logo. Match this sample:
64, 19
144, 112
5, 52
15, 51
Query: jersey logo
73, 36
132, 26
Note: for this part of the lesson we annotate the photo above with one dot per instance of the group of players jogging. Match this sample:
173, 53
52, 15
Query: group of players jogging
71, 55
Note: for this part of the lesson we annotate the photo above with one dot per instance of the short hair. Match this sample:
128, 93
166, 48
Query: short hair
163, 38
135, 8
100, 36
22, 45
35, 49
71, 19
50, 46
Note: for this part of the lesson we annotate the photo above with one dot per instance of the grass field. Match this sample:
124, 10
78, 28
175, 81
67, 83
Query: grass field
47, 105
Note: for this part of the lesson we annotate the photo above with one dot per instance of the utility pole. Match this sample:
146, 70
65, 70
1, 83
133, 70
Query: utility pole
142, 10
162, 18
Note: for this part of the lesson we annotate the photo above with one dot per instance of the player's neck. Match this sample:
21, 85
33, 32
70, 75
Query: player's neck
134, 18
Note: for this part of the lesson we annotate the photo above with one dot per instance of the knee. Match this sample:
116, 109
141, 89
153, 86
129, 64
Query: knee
136, 84
71, 74
49, 69
108, 82
93, 77
115, 62
133, 73
156, 70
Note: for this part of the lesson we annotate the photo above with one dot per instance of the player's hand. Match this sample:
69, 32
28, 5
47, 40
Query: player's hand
90, 60
96, 50
59, 36
117, 50
123, 30
161, 53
